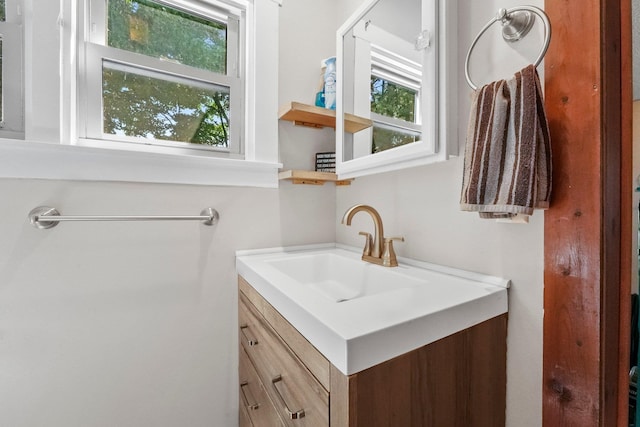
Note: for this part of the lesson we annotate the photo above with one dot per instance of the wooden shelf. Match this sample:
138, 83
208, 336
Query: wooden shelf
313, 178
317, 117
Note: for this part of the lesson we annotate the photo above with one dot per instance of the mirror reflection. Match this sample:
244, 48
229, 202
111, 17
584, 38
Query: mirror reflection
383, 57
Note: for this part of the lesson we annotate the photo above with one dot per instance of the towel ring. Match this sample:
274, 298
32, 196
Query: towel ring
516, 23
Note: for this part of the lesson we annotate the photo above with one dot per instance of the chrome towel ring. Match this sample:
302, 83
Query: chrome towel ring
516, 23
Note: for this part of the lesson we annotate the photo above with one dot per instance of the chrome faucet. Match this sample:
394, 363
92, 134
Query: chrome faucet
378, 250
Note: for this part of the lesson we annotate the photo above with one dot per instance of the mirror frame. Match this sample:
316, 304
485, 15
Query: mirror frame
440, 140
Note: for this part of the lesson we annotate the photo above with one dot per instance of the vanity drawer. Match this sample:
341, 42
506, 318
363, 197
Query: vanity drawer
315, 362
256, 410
299, 398
244, 419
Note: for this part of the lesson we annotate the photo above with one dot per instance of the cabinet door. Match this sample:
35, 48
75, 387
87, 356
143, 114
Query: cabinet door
299, 398
256, 409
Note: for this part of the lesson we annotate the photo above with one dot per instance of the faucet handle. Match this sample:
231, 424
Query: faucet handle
367, 244
388, 254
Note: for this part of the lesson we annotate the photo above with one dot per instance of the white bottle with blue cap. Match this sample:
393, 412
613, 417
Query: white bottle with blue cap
330, 83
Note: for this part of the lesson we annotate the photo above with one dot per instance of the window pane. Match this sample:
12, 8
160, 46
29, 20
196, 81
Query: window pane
159, 31
3, 13
392, 100
153, 106
385, 138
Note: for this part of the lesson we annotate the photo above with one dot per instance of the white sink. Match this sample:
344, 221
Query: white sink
359, 314
340, 278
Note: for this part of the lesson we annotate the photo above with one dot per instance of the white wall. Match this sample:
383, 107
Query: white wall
131, 324
421, 204
134, 324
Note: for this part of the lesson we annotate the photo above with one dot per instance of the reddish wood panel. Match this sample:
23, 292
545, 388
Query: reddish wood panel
572, 240
583, 226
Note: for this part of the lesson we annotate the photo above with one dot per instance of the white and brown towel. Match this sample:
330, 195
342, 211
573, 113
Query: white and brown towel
507, 159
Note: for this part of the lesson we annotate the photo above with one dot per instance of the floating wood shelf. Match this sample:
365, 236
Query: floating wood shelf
317, 117
313, 178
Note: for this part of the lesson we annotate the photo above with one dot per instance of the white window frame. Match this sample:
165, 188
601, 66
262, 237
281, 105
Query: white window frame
51, 147
12, 116
94, 52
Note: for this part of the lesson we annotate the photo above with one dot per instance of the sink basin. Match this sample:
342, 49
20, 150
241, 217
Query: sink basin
340, 279
359, 314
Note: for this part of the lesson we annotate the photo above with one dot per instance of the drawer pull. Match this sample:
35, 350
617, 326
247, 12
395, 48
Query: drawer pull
294, 415
250, 406
250, 341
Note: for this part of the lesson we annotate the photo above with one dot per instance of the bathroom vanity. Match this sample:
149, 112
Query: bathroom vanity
300, 368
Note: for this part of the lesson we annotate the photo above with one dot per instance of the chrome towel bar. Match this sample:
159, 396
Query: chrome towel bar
516, 23
47, 217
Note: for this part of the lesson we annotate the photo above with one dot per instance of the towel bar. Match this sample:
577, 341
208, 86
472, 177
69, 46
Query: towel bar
516, 23
46, 217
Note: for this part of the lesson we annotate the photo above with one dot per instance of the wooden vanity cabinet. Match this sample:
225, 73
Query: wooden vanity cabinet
457, 381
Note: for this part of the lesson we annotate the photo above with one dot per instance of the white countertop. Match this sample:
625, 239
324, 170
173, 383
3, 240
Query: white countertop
425, 303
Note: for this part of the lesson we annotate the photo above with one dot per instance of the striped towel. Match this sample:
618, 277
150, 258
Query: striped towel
507, 159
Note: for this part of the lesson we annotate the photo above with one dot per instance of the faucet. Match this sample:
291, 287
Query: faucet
378, 250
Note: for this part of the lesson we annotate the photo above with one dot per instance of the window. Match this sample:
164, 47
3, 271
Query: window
94, 98
11, 70
164, 73
395, 100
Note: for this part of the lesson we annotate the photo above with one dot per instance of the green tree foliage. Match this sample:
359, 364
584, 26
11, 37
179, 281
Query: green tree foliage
2, 10
391, 100
143, 106
161, 32
138, 105
384, 139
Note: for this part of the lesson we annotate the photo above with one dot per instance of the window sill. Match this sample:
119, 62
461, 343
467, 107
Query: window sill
38, 160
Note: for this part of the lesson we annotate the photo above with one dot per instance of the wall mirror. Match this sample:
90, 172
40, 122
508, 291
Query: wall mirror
396, 68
